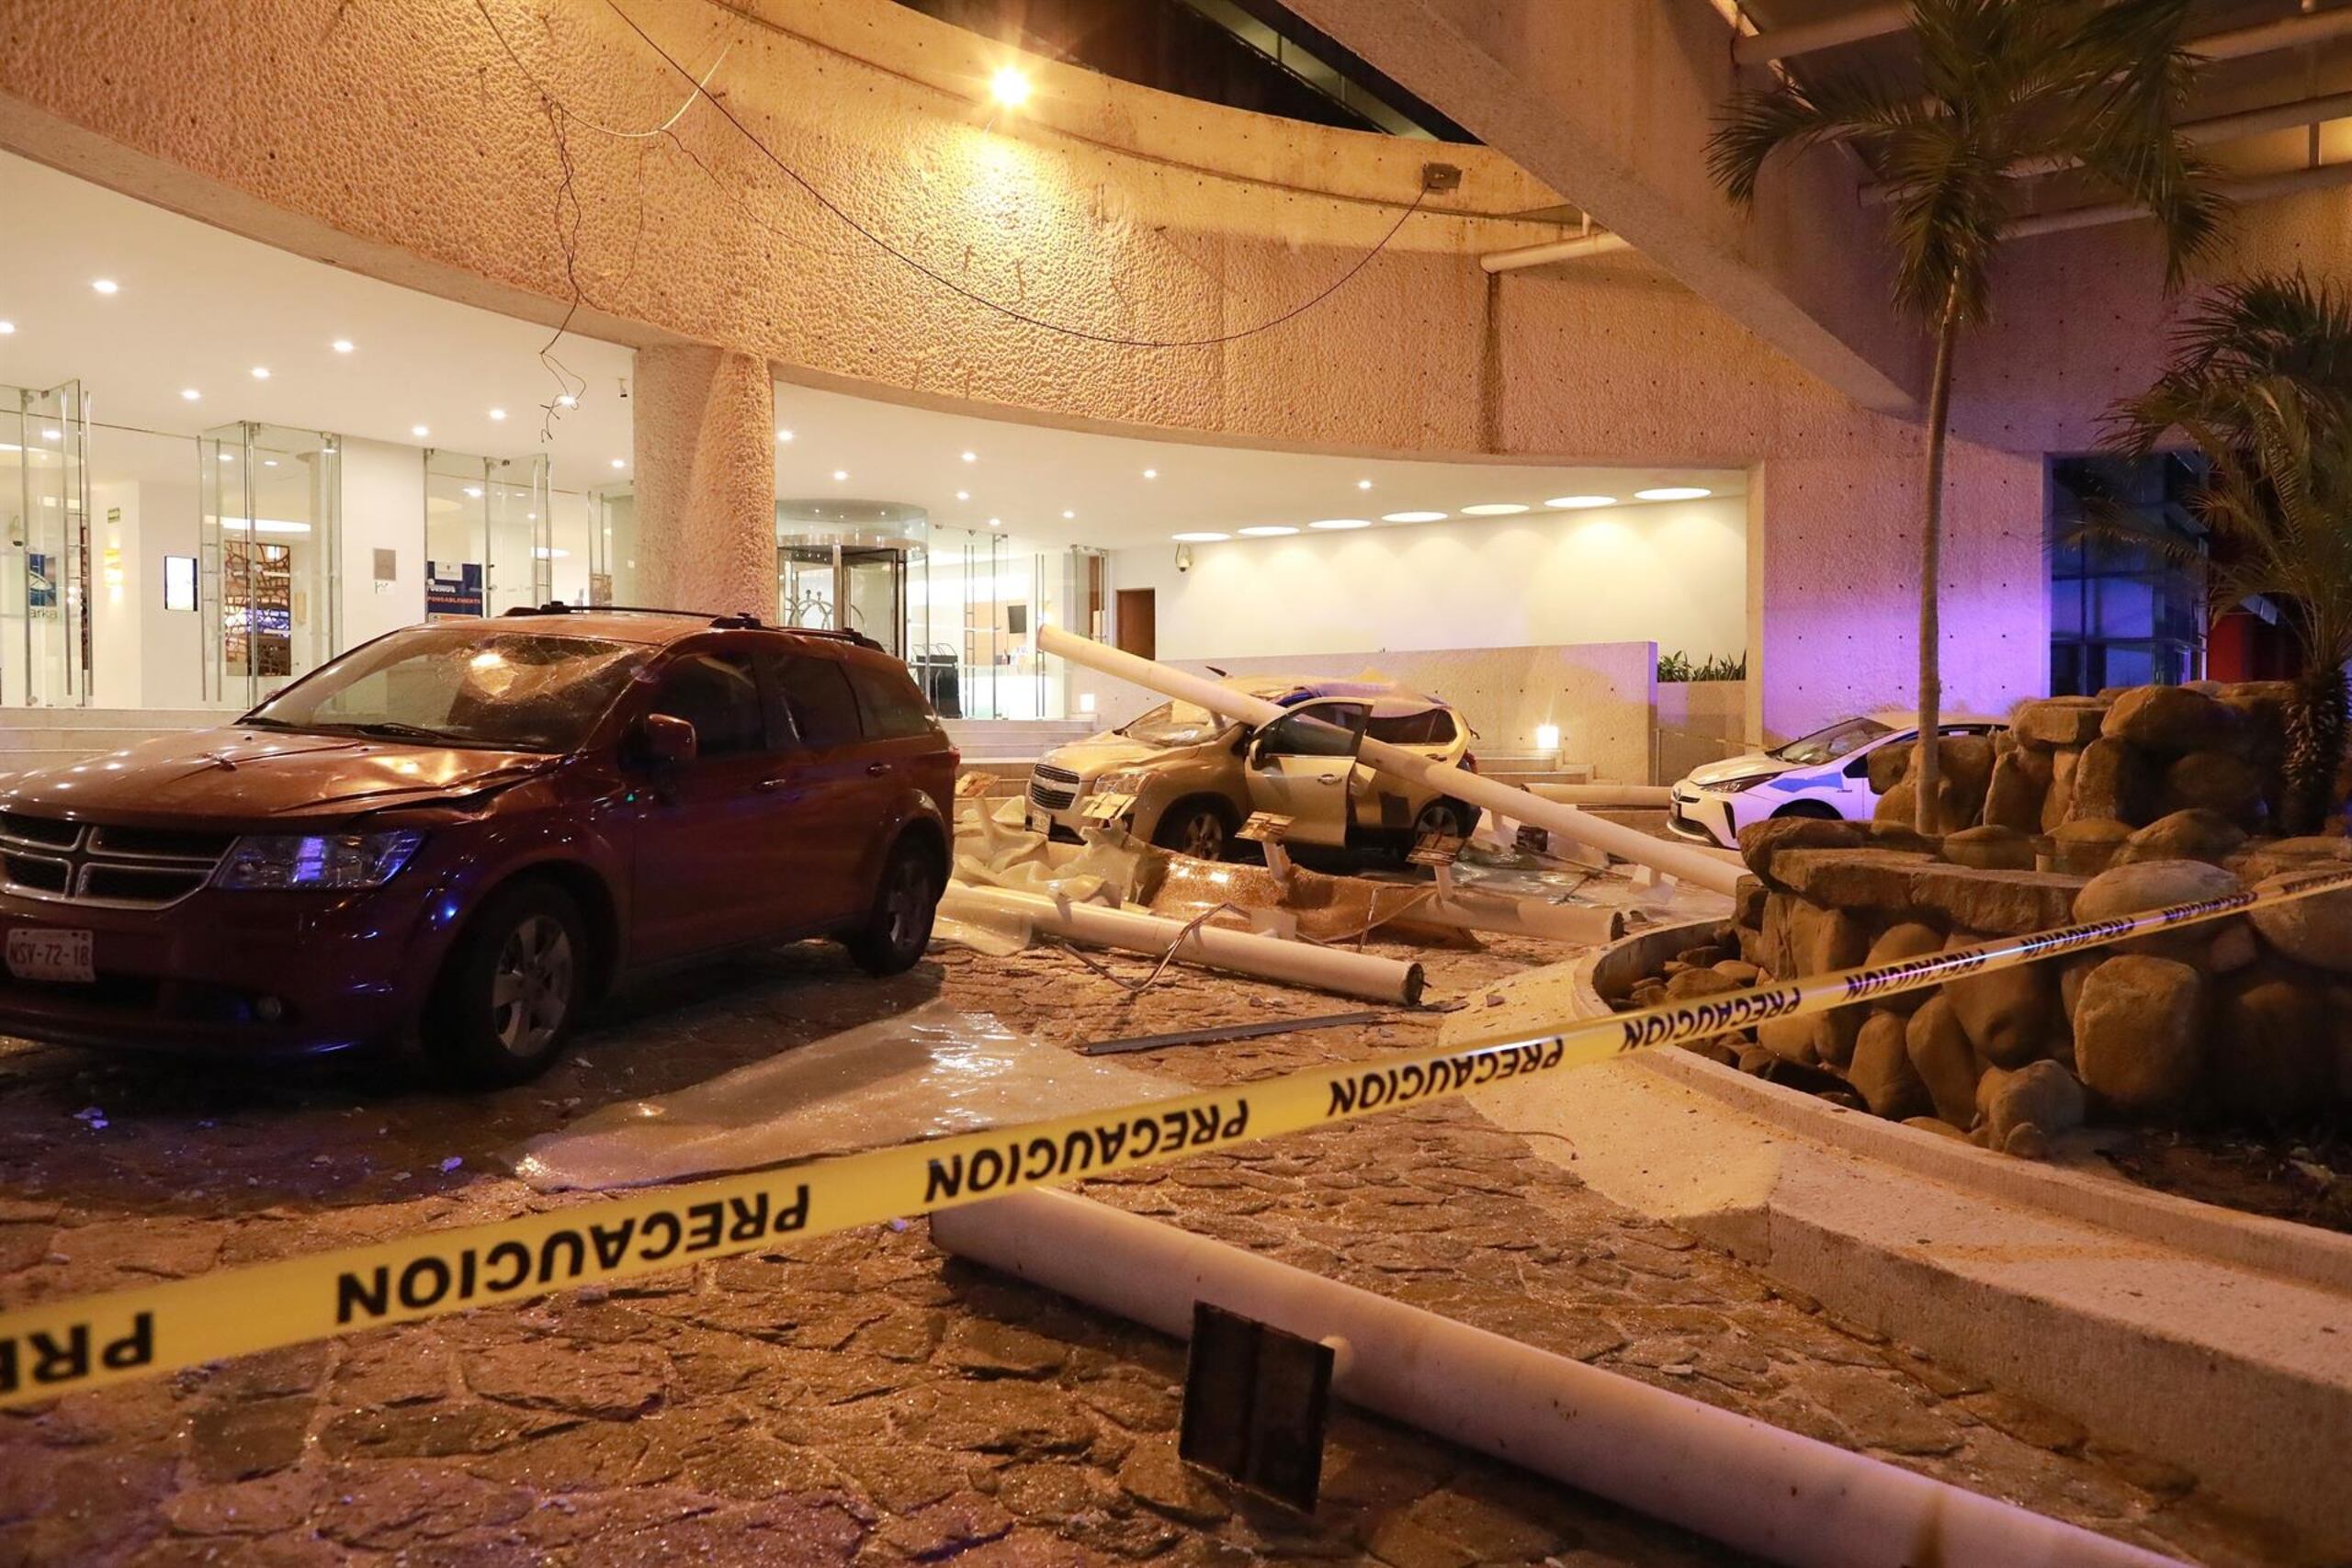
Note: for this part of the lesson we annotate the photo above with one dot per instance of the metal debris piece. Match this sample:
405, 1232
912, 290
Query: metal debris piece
1218, 1033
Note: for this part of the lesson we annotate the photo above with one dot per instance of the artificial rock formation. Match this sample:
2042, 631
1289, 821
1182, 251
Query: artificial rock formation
2086, 808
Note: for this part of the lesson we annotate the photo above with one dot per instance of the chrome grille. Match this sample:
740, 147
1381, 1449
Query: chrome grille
1052, 788
115, 867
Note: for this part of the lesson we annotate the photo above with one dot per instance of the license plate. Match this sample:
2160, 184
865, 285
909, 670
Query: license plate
1039, 822
50, 956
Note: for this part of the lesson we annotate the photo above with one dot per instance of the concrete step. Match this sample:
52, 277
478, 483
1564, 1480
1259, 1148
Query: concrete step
151, 721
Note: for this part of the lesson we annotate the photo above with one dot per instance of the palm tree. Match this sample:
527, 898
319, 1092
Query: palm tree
2009, 85
2260, 384
2275, 327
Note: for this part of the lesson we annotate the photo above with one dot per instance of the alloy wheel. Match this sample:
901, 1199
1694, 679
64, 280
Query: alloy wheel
907, 905
530, 988
1205, 836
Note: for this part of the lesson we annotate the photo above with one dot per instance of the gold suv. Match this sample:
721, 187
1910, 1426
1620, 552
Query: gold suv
1195, 777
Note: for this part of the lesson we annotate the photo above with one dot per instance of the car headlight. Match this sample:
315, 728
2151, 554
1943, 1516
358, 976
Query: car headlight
1733, 786
340, 861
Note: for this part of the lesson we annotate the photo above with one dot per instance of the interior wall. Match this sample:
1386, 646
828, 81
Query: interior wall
115, 611
1674, 573
383, 508
171, 642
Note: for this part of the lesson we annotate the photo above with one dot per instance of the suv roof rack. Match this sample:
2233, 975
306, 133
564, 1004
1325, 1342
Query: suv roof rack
742, 620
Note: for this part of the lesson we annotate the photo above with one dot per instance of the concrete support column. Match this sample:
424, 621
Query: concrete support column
705, 446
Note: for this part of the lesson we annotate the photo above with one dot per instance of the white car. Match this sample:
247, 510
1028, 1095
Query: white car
1826, 774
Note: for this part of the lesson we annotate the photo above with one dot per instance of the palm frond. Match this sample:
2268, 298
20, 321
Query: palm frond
1789, 118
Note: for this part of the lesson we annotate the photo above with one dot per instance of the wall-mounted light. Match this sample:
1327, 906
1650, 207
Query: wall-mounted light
1547, 740
1009, 87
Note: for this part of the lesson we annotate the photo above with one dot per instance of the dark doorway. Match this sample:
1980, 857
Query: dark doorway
1139, 622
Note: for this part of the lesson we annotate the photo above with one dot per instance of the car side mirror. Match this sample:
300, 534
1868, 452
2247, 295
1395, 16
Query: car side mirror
669, 740
1860, 767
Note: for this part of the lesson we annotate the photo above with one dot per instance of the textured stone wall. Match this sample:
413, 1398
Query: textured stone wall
403, 141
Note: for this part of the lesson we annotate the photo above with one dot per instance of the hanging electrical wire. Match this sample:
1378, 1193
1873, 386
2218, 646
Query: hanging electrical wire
972, 296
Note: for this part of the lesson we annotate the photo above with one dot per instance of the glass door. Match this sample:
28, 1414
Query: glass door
268, 537
489, 534
873, 591
45, 652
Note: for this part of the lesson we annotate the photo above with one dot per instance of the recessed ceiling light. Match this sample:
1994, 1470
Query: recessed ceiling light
7, 327
341, 345
620, 462
1579, 503
1200, 539
190, 394
1672, 492
1334, 525
418, 430
1265, 530
498, 413
474, 490
996, 522
962, 495
1400, 517
565, 399
841, 473
1068, 514
1493, 509
53, 435
269, 462
261, 372
228, 456
971, 456
1363, 484
784, 435
105, 285
1151, 473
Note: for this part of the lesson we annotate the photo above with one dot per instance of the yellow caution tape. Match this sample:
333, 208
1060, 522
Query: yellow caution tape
54, 1347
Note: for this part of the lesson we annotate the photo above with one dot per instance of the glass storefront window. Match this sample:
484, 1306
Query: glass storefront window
487, 535
2120, 613
45, 653
268, 535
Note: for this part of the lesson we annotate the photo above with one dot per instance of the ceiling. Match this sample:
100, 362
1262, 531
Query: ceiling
197, 308
2248, 80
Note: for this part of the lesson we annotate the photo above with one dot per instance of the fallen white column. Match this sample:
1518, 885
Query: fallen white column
1699, 867
1632, 798
1751, 1486
1375, 978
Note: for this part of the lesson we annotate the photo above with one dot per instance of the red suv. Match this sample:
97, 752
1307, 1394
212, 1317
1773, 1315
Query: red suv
464, 831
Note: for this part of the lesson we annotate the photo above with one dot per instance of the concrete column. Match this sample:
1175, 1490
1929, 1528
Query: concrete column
705, 446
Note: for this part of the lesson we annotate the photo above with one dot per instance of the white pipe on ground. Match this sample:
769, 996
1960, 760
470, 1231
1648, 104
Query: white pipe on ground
1702, 868
1752, 1486
1368, 976
1483, 910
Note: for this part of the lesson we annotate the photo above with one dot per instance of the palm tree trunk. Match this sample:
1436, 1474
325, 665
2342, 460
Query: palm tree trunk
2315, 736
1926, 768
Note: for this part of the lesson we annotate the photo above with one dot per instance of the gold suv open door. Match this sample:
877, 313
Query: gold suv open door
1300, 764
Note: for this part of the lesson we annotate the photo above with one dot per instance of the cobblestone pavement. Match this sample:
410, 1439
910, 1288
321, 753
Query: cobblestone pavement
859, 1398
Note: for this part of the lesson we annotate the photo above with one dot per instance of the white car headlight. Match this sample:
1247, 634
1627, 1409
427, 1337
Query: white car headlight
327, 860
1733, 786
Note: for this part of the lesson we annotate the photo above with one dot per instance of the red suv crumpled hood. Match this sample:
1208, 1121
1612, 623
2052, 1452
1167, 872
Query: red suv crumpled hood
236, 774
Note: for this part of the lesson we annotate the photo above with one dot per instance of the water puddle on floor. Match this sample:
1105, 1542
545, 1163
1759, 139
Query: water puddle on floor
927, 1073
